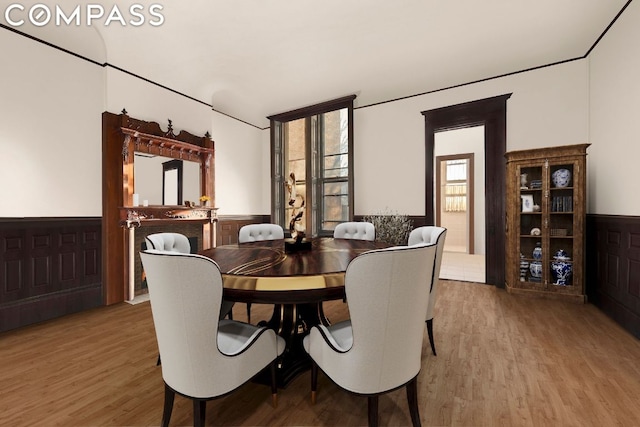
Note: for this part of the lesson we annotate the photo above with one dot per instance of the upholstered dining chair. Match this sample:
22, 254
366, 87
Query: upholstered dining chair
176, 242
202, 357
170, 242
379, 348
355, 230
257, 232
432, 235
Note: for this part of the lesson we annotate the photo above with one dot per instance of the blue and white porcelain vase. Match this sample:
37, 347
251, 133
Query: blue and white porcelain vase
561, 269
561, 178
535, 268
524, 268
537, 252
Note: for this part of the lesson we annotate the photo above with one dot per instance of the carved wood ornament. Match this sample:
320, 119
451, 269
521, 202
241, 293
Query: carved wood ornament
122, 136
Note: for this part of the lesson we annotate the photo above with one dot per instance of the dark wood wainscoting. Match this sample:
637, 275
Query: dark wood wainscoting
613, 268
49, 267
229, 225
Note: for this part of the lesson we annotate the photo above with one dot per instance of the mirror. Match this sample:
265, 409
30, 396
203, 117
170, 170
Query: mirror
150, 184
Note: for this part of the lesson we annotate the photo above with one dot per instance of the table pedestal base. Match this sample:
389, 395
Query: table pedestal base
292, 322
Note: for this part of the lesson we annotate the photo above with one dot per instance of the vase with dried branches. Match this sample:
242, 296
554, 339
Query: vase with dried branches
391, 227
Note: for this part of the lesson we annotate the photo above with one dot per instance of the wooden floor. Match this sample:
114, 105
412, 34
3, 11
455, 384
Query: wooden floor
503, 360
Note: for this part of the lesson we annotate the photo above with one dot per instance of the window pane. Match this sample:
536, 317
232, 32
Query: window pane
456, 170
455, 189
336, 144
295, 151
336, 166
335, 204
336, 133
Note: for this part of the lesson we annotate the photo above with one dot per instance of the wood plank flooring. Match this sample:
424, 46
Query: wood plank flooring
503, 360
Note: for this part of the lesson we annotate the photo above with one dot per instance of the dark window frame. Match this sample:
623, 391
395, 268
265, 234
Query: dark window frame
277, 160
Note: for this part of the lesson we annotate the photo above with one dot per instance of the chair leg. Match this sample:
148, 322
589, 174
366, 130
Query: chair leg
199, 412
373, 411
412, 399
248, 312
274, 384
430, 333
314, 381
168, 405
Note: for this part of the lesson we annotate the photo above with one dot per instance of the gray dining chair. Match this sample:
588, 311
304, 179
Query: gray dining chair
432, 235
258, 232
379, 348
170, 242
255, 233
203, 357
355, 230
176, 242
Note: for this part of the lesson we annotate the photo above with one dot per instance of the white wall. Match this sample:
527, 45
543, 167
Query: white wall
150, 102
50, 135
243, 174
614, 113
548, 107
51, 142
240, 157
50, 131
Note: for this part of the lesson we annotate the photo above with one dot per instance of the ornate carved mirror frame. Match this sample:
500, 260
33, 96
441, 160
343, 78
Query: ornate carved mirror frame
122, 137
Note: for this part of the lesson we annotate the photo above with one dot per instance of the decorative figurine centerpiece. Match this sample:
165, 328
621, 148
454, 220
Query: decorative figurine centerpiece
297, 230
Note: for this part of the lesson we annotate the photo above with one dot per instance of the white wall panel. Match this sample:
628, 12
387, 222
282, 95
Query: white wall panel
242, 167
50, 131
614, 113
147, 101
548, 107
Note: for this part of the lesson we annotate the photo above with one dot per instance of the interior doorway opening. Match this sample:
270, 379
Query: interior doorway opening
460, 201
492, 113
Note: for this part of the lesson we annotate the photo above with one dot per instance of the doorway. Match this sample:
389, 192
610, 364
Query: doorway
454, 201
460, 202
492, 113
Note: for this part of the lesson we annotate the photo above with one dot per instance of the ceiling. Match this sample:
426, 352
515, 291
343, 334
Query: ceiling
253, 58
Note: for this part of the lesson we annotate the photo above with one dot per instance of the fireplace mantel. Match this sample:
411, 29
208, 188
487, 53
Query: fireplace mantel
137, 216
122, 137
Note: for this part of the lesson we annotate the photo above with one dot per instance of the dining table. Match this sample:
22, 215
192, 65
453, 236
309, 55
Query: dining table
296, 279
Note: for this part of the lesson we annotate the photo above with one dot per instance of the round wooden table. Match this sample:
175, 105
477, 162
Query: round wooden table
295, 282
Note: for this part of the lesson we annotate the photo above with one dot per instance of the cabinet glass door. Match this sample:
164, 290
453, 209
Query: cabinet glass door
531, 230
561, 223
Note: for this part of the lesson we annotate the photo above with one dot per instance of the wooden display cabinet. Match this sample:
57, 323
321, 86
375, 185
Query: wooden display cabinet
546, 191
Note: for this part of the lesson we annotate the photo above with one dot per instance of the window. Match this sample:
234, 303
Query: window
312, 164
455, 191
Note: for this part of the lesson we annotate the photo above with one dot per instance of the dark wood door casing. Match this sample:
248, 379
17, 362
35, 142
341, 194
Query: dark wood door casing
492, 113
